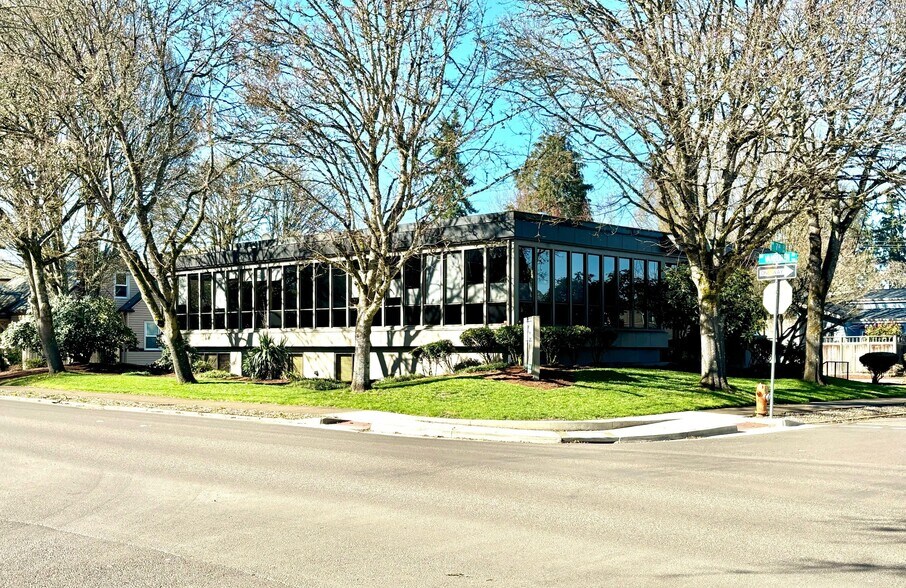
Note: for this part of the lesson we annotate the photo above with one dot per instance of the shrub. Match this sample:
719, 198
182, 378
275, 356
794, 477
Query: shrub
602, 339
269, 360
142, 373
164, 364
34, 362
878, 363
22, 334
897, 371
465, 364
86, 325
485, 367
319, 384
218, 375
13, 355
509, 338
558, 342
436, 354
482, 341
200, 366
884, 329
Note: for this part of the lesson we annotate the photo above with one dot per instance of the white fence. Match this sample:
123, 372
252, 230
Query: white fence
849, 349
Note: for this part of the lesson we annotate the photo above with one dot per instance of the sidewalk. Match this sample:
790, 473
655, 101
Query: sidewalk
661, 427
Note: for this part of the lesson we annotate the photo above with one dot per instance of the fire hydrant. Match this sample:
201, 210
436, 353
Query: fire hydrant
761, 399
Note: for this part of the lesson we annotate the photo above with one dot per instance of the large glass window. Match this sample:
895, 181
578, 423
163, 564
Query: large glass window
233, 289
306, 296
290, 297
526, 270
561, 288
275, 314
393, 301
207, 301
654, 294
182, 301
261, 296
577, 288
611, 290
497, 284
412, 288
453, 289
595, 292
624, 290
474, 259
193, 302
322, 295
543, 286
434, 289
246, 299
220, 300
339, 297
639, 291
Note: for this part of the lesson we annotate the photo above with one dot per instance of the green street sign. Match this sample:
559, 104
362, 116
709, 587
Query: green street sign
778, 247
778, 258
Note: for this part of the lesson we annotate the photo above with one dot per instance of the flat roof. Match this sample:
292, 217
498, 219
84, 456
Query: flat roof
477, 228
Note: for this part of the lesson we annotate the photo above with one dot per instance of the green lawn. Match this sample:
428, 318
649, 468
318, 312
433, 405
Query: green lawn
597, 393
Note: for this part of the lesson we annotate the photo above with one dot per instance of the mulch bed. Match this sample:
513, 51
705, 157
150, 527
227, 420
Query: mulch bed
550, 378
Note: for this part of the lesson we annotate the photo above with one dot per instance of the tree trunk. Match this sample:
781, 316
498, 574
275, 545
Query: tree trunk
361, 359
41, 308
176, 343
711, 326
817, 293
820, 271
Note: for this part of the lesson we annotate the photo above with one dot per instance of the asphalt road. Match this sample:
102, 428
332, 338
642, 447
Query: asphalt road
107, 498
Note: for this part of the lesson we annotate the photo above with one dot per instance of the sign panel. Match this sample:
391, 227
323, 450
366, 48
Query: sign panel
770, 300
778, 258
783, 271
778, 247
531, 345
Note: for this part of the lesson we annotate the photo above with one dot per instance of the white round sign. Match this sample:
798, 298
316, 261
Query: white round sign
770, 296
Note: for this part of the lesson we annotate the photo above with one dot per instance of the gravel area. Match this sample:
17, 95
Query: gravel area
846, 415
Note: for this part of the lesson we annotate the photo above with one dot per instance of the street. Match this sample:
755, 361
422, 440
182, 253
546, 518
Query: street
110, 498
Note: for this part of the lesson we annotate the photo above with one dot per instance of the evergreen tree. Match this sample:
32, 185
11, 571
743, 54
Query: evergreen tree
551, 181
451, 179
889, 236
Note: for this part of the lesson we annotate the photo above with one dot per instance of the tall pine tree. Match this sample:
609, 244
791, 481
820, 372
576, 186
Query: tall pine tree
551, 181
451, 179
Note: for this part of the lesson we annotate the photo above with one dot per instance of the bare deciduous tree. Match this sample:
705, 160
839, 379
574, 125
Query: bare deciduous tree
855, 96
145, 82
693, 96
353, 94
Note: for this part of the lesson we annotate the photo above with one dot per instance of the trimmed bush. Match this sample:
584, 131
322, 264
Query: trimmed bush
34, 362
878, 363
200, 366
319, 384
218, 375
269, 360
602, 339
465, 364
561, 342
509, 338
485, 367
164, 363
402, 378
482, 341
436, 354
136, 373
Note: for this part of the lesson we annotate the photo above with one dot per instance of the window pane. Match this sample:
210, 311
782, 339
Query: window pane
624, 289
322, 287
219, 300
232, 286
593, 273
639, 290
561, 289
526, 275
433, 280
543, 286
182, 294
654, 294
339, 297
261, 295
455, 277
290, 296
306, 287
497, 273
611, 295
193, 302
577, 288
207, 300
275, 316
474, 259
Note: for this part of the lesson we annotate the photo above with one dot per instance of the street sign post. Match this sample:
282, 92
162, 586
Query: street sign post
776, 267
